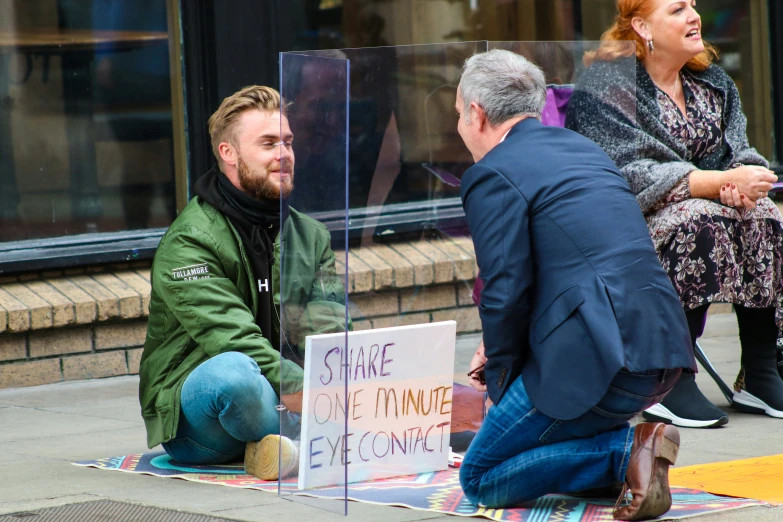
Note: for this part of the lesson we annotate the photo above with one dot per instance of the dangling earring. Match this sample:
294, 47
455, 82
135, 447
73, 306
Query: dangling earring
650, 45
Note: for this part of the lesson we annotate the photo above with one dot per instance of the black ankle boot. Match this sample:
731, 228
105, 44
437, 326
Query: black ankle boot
687, 407
759, 387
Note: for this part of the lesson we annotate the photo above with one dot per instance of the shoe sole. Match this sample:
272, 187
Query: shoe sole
660, 413
658, 499
749, 403
263, 458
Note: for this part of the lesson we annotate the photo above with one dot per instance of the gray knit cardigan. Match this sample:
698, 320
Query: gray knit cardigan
615, 105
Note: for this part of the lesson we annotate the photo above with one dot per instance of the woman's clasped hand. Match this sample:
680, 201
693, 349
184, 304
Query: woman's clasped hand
747, 184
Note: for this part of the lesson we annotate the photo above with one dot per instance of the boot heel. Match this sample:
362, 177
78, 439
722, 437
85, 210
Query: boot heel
670, 444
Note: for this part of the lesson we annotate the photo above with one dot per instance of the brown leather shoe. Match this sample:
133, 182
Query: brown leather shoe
655, 447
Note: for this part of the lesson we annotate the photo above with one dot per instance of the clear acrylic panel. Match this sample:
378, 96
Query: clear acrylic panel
379, 162
313, 273
410, 232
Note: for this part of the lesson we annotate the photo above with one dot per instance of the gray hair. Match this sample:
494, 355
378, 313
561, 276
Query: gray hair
504, 84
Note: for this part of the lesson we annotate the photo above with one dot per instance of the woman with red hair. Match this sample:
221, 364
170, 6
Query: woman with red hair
672, 122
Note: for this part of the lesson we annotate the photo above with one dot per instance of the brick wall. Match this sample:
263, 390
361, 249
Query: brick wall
72, 326
82, 326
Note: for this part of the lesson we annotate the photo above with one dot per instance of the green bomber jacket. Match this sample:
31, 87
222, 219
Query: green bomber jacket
204, 301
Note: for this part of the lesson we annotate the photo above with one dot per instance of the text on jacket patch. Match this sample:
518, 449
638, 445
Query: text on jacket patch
189, 273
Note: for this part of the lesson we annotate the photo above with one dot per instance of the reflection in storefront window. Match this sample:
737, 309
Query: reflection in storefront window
85, 117
85, 95
393, 151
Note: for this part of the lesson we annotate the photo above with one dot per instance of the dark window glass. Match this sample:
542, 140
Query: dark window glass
85, 117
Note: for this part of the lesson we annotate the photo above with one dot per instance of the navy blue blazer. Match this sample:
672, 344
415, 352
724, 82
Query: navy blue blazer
573, 289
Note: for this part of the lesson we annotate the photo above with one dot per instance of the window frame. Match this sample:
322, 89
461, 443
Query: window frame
776, 64
79, 250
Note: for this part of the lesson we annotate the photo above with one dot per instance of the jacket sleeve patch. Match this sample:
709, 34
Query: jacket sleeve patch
190, 273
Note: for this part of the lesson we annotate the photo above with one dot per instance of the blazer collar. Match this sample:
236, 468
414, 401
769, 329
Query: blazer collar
526, 125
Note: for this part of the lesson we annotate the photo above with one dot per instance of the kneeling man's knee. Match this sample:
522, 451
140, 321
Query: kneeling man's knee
470, 479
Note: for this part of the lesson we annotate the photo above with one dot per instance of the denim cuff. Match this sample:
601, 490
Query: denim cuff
626, 455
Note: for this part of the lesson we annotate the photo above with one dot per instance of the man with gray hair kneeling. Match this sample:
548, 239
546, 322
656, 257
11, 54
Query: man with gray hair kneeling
582, 328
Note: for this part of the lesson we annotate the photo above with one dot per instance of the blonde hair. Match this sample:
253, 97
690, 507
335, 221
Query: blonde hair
224, 121
613, 41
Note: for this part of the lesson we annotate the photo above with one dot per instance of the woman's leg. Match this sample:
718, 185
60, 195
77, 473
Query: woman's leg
759, 388
686, 405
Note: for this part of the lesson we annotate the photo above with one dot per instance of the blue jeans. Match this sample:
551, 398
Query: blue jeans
225, 403
520, 454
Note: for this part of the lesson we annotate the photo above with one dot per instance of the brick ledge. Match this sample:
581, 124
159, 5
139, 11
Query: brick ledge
89, 299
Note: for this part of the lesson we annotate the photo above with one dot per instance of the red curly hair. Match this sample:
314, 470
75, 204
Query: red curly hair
613, 41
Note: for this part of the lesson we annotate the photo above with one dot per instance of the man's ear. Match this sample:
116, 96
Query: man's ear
641, 28
227, 153
479, 115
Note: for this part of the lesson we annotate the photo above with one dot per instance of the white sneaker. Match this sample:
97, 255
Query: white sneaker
272, 457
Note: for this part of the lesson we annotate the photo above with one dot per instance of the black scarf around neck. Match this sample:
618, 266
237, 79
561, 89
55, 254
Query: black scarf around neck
258, 223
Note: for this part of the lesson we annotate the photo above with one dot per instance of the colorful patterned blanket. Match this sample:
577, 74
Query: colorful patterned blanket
438, 492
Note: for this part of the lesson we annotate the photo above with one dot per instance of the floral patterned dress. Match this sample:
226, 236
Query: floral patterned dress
714, 253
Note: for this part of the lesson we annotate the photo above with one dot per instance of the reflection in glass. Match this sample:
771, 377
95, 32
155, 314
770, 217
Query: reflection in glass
387, 167
85, 117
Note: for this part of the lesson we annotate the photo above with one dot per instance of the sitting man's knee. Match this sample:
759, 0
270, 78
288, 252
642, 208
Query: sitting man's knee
236, 361
236, 374
232, 365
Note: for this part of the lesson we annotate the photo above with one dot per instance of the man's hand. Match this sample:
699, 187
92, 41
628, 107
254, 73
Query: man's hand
477, 365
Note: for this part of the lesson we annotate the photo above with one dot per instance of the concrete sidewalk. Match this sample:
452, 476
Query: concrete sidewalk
44, 429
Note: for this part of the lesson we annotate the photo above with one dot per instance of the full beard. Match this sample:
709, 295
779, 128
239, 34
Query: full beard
259, 186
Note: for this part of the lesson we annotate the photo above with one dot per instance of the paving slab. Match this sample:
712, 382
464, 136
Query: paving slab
6, 456
288, 510
35, 478
83, 446
756, 514
691, 455
24, 505
123, 408
187, 496
71, 393
20, 423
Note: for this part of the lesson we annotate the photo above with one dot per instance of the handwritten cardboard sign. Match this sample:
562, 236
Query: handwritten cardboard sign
398, 405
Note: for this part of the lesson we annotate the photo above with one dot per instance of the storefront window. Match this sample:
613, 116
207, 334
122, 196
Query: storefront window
90, 139
86, 140
390, 154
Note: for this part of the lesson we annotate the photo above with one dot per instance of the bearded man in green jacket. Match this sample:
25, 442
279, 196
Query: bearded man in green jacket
212, 373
